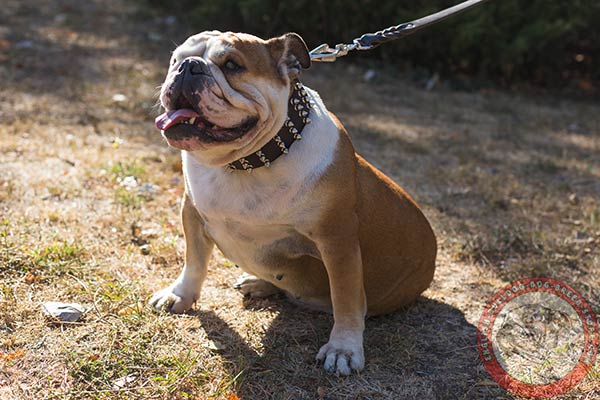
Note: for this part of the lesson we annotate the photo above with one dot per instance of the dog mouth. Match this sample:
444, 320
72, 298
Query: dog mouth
184, 123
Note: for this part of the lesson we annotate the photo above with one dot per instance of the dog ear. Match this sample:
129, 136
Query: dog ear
290, 53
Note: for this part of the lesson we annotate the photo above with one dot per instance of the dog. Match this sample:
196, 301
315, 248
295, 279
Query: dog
272, 179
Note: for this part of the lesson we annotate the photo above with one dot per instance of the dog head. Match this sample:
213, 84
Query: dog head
225, 94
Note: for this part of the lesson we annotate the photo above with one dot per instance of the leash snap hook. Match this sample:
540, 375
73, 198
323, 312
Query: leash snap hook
324, 53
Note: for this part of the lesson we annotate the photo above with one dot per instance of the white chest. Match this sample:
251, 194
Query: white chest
244, 215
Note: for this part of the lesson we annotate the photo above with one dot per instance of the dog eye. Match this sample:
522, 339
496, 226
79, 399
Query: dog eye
232, 66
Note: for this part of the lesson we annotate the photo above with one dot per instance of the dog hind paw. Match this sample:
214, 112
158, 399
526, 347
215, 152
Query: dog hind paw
250, 285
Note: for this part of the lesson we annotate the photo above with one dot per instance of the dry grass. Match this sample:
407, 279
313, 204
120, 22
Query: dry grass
510, 184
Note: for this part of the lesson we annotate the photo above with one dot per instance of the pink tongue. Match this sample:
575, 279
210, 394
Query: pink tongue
170, 118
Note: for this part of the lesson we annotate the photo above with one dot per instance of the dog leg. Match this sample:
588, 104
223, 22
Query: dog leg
250, 285
342, 258
185, 290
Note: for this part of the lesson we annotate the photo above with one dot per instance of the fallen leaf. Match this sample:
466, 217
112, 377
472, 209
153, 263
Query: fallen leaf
233, 396
116, 142
131, 309
176, 166
585, 85
321, 392
12, 355
31, 278
149, 233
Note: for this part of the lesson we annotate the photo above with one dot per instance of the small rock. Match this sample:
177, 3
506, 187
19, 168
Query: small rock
124, 381
129, 182
432, 82
65, 312
148, 189
145, 249
573, 199
119, 98
214, 345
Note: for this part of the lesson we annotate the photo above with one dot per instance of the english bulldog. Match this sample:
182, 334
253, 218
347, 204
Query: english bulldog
272, 179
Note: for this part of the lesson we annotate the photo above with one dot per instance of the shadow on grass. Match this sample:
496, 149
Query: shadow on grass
427, 350
62, 48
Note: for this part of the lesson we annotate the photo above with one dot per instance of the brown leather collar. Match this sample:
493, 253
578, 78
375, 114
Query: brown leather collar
299, 106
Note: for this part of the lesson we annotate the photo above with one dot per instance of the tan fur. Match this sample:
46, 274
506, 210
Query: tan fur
397, 246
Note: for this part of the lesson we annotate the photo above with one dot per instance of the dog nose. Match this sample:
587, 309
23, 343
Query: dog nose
195, 66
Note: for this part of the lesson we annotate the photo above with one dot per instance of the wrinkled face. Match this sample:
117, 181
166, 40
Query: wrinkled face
225, 94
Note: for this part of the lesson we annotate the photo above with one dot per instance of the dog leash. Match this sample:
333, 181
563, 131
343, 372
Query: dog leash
368, 41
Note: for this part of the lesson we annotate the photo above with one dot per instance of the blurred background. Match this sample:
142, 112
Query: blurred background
547, 43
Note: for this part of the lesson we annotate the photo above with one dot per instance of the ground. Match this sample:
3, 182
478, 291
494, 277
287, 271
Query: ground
89, 198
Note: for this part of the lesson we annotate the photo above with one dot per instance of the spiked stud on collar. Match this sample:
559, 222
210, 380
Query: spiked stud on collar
299, 106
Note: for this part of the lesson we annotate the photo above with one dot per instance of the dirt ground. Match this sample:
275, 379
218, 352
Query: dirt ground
89, 198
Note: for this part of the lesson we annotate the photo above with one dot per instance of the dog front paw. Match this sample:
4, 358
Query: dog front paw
174, 299
343, 354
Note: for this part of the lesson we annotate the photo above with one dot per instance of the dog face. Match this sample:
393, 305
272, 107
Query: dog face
225, 94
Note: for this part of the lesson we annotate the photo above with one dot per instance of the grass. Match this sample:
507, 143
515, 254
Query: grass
89, 202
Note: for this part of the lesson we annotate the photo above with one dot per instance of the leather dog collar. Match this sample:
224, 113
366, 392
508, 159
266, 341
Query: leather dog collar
299, 106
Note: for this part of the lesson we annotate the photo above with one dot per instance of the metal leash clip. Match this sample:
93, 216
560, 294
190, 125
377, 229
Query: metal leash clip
324, 53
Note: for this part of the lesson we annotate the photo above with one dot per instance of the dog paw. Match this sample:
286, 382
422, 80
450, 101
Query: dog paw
342, 355
250, 285
173, 299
